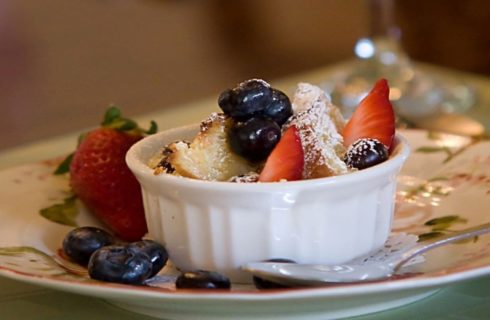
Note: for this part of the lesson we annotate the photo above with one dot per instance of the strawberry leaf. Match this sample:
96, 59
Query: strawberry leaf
62, 213
64, 166
122, 124
110, 115
114, 120
153, 128
81, 137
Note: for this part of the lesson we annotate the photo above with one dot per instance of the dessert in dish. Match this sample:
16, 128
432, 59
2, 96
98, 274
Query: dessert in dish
333, 211
244, 142
206, 226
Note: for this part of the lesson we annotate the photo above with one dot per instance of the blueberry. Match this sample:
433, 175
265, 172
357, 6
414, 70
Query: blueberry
202, 279
226, 101
365, 153
157, 253
120, 264
280, 108
248, 99
80, 243
255, 138
267, 284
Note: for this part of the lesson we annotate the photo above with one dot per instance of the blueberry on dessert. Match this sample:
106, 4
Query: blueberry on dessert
280, 109
249, 98
253, 98
257, 112
365, 153
80, 243
202, 279
255, 138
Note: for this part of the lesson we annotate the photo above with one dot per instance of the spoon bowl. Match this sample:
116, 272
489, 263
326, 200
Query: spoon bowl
292, 274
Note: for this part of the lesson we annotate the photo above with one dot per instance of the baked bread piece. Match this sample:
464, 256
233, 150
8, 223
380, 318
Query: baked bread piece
319, 124
160, 163
308, 95
208, 156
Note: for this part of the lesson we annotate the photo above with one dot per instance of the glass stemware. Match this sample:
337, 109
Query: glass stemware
416, 93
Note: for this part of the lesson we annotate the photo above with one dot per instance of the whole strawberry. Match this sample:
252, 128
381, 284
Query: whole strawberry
101, 179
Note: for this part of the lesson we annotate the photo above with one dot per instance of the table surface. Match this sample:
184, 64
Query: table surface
465, 300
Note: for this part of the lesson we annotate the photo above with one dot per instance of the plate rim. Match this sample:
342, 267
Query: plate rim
104, 290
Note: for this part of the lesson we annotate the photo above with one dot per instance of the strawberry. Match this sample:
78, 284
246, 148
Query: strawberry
286, 160
373, 118
101, 179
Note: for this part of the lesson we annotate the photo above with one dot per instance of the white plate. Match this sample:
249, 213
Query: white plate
445, 175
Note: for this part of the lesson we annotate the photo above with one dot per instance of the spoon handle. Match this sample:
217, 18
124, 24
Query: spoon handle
440, 241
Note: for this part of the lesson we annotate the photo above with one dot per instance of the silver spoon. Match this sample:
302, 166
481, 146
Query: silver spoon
293, 274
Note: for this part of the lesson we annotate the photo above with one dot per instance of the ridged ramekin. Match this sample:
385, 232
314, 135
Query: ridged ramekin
220, 226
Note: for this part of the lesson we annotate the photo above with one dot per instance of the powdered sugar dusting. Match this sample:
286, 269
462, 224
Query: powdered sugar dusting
250, 177
361, 147
321, 140
366, 152
263, 82
308, 95
212, 118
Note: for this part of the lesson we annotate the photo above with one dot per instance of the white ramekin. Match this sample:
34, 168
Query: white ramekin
220, 226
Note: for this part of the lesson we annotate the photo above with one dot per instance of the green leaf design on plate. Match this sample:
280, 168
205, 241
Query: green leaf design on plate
445, 221
31, 261
19, 251
432, 135
441, 226
434, 179
63, 213
429, 235
446, 150
431, 149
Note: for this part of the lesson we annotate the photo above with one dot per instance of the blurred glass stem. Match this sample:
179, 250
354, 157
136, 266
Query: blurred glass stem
415, 94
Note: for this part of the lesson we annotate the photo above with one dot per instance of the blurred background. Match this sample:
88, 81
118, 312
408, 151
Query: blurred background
63, 62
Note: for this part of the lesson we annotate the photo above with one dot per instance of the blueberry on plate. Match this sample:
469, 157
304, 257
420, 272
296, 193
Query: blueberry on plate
280, 109
120, 264
248, 99
267, 284
365, 153
156, 252
202, 279
255, 138
80, 243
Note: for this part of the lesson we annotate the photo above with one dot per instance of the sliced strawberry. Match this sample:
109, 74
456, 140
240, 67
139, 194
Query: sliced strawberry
286, 160
373, 118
